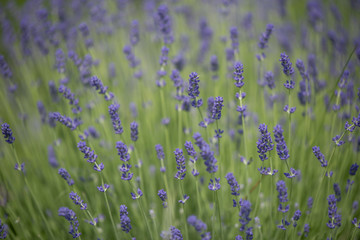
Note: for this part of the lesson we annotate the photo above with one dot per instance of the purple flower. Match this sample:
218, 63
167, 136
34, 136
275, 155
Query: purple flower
175, 233
353, 169
65, 175
88, 153
264, 38
185, 198
199, 226
193, 90
99, 167
115, 119
71, 97
337, 191
124, 219
130, 56
337, 140
3, 230
214, 63
125, 157
244, 214
214, 185
104, 187
293, 173
77, 200
160, 151
289, 110
4, 68
60, 60
164, 56
137, 195
269, 79
281, 147
234, 35
234, 185
238, 74
335, 218
164, 23
319, 156
66, 121
163, 196
98, 85
356, 223
283, 196
134, 32
7, 132
217, 107
267, 171
52, 157
264, 144
70, 216
180, 161
134, 131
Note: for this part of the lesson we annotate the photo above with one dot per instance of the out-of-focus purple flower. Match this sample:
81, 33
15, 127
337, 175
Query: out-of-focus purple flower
264, 144
65, 175
124, 219
214, 63
52, 157
296, 217
199, 226
77, 200
319, 156
337, 191
134, 131
356, 223
335, 217
269, 79
70, 216
234, 185
7, 132
53, 91
4, 68
163, 196
130, 56
244, 214
214, 185
283, 196
71, 97
287, 65
281, 147
134, 32
164, 23
234, 35
3, 230
175, 233
164, 56
60, 60
353, 169
115, 119
265, 36
20, 167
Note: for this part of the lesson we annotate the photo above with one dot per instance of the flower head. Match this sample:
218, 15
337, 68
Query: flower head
264, 144
124, 219
77, 200
7, 132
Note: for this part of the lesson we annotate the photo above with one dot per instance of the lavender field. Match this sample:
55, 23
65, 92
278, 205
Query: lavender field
180, 119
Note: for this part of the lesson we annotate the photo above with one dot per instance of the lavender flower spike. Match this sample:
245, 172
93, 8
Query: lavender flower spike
124, 219
335, 218
115, 119
281, 147
163, 196
283, 196
70, 216
7, 132
65, 175
264, 144
77, 200
234, 185
180, 161
134, 131
264, 38
319, 156
288, 70
193, 89
217, 107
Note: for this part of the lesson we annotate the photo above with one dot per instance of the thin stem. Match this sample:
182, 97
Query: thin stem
183, 213
219, 214
108, 208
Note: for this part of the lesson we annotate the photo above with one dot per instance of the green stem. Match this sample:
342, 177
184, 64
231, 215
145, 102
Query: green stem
108, 208
183, 213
